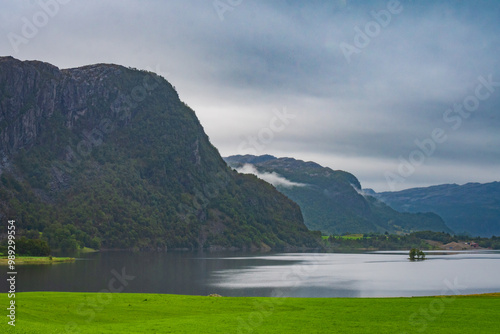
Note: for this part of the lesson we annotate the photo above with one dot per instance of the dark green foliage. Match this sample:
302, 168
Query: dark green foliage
137, 170
32, 247
436, 236
416, 254
418, 240
493, 242
378, 242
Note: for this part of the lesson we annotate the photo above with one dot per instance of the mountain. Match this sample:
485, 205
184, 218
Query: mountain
472, 208
108, 156
332, 201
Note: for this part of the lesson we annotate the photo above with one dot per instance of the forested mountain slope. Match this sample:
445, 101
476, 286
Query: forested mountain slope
107, 156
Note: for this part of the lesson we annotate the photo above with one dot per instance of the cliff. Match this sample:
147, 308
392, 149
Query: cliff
107, 156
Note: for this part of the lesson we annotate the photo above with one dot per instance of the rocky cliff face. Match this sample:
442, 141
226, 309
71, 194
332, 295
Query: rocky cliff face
25, 99
32, 91
108, 156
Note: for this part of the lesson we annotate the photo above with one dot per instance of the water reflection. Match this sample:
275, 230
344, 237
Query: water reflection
375, 274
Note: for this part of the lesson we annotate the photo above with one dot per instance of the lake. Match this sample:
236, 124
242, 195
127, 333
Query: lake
373, 274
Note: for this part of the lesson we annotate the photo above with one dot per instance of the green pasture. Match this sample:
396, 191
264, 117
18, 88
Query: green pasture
36, 260
56, 312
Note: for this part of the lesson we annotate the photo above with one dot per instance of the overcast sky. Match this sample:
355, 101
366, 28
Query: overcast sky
352, 85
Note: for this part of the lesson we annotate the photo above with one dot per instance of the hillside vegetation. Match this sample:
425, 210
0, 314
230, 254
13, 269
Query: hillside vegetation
105, 156
332, 200
472, 208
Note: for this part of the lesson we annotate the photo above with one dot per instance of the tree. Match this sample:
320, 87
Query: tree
32, 247
416, 254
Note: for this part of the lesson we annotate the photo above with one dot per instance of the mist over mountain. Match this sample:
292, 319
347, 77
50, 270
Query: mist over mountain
108, 156
472, 208
333, 201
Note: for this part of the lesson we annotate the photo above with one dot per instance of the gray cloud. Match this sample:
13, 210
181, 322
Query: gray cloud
360, 116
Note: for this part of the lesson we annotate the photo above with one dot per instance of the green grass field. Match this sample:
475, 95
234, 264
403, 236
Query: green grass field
37, 260
348, 237
55, 312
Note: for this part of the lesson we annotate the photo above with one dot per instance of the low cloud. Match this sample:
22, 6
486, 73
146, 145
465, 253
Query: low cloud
360, 191
273, 178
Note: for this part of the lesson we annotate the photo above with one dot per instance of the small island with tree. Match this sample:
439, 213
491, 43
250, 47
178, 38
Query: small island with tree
416, 254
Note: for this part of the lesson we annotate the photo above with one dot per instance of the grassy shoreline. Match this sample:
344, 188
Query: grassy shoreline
62, 312
36, 260
424, 240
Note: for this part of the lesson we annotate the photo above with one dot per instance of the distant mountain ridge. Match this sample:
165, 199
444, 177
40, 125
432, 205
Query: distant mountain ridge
333, 201
108, 156
471, 208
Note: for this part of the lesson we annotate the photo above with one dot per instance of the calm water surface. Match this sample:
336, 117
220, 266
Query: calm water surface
377, 274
